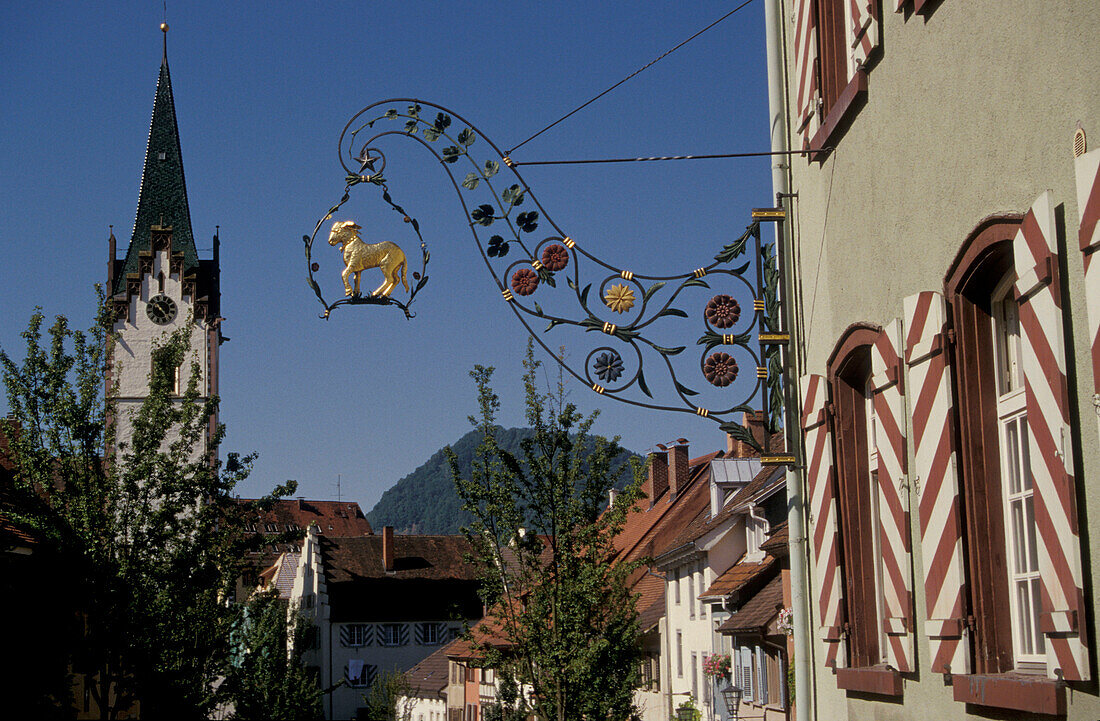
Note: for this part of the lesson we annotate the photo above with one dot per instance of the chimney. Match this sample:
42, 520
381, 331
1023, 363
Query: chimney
387, 549
657, 482
754, 421
677, 470
612, 493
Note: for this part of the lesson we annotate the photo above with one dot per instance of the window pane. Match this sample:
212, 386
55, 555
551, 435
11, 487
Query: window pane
1033, 551
1023, 598
1019, 536
1025, 443
1012, 456
1036, 609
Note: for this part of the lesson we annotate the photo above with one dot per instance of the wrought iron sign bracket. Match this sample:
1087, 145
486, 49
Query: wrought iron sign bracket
557, 280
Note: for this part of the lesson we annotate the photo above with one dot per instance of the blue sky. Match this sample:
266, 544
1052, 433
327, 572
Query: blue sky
262, 91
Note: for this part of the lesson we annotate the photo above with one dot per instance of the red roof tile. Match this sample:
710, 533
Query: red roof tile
737, 577
759, 611
651, 527
777, 540
428, 678
421, 557
333, 518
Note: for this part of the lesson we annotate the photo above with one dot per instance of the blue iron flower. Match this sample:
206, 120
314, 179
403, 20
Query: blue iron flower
609, 367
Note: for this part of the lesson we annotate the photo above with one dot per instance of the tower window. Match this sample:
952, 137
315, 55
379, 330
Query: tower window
161, 155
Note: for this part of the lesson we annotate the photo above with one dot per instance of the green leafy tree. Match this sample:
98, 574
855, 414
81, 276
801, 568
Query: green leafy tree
266, 678
389, 698
562, 624
148, 536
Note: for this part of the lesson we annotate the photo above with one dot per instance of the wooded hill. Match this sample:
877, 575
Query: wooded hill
425, 501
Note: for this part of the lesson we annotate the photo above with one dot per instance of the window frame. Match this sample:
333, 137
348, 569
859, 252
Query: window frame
979, 269
858, 525
842, 81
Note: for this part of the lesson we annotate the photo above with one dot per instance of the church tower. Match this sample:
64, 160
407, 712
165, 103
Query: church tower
162, 284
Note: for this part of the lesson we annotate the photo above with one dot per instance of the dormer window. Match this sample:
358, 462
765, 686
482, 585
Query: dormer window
756, 530
162, 155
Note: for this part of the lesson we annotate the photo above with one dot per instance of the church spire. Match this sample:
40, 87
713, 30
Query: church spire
162, 200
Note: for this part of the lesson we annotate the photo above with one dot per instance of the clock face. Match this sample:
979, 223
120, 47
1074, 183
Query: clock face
161, 309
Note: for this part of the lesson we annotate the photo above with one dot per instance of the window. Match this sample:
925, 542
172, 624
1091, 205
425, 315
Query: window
676, 585
694, 675
393, 634
430, 634
271, 528
993, 481
679, 654
756, 531
356, 634
747, 685
856, 454
834, 42
703, 584
691, 594
176, 388
1019, 504
359, 674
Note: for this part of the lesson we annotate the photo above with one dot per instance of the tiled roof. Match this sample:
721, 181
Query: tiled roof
703, 523
759, 611
11, 536
162, 199
428, 678
651, 602
653, 526
284, 576
776, 542
415, 557
737, 576
333, 518
488, 631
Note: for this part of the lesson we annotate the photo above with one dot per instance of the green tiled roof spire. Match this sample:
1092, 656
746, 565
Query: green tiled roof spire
163, 197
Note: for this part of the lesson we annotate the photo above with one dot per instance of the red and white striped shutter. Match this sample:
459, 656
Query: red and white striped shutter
1088, 208
889, 405
826, 548
936, 477
807, 86
1046, 391
863, 31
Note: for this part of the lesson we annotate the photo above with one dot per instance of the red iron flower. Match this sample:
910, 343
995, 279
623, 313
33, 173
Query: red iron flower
720, 369
525, 281
555, 257
723, 311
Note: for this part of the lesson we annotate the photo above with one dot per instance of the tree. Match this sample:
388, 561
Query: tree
149, 537
389, 698
266, 679
562, 625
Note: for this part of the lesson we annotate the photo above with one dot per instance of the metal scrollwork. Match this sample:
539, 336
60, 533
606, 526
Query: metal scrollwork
741, 336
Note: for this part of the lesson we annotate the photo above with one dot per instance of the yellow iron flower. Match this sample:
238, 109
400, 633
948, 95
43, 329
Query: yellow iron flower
619, 298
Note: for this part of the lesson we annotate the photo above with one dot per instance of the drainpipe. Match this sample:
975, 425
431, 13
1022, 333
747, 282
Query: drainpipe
777, 117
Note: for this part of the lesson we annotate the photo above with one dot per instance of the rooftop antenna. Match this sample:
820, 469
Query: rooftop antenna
338, 496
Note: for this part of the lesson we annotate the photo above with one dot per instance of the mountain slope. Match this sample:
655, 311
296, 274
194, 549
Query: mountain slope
425, 501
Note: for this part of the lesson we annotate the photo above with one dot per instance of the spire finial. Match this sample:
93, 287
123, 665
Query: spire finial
164, 29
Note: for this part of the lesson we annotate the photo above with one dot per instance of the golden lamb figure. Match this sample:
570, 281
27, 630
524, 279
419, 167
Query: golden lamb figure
360, 256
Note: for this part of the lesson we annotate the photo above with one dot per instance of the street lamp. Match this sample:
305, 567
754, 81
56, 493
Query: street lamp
732, 696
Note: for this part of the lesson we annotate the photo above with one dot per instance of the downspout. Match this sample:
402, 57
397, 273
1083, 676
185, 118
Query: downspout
777, 117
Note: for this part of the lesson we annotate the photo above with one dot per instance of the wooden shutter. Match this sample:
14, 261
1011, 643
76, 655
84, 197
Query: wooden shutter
1046, 391
863, 31
822, 487
1087, 167
889, 404
807, 82
935, 471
